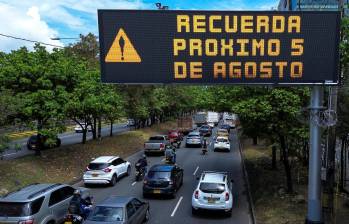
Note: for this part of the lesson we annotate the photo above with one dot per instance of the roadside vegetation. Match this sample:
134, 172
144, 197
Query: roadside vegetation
67, 164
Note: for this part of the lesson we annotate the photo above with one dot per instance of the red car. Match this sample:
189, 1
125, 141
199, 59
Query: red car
175, 137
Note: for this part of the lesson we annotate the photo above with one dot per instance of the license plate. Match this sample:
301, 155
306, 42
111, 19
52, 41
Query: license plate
210, 200
67, 222
157, 191
95, 175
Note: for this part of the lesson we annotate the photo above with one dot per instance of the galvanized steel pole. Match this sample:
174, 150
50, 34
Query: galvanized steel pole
314, 184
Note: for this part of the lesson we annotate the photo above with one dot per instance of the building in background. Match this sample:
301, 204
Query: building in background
309, 5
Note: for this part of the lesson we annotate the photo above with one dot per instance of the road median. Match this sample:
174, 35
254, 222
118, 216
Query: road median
66, 164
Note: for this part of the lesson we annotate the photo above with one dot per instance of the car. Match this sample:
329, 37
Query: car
156, 144
130, 122
205, 130
106, 170
163, 179
78, 128
33, 142
213, 192
119, 210
221, 143
226, 127
222, 133
38, 203
193, 139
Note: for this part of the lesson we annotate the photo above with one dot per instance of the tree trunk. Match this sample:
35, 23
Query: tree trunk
342, 176
100, 128
286, 164
84, 130
273, 161
255, 140
305, 153
111, 128
94, 129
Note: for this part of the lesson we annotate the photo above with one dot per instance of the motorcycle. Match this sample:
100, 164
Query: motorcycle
204, 151
169, 160
140, 172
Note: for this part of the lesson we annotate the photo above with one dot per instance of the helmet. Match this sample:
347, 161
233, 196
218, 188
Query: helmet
144, 156
77, 192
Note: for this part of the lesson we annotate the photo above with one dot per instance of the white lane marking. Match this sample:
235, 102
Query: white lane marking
134, 183
196, 170
175, 209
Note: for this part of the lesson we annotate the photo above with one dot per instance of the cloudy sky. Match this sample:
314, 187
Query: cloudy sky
40, 20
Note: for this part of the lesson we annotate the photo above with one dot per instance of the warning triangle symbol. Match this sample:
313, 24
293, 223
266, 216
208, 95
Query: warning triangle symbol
122, 50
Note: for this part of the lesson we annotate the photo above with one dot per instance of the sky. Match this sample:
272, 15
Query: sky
41, 20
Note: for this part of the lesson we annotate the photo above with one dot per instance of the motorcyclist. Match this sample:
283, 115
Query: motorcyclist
143, 163
170, 153
204, 146
80, 206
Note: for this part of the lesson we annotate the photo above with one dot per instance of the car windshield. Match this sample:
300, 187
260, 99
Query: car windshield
33, 139
193, 136
156, 138
212, 188
106, 214
159, 175
14, 209
222, 140
98, 166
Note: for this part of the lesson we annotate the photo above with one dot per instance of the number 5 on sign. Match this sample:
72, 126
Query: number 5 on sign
122, 50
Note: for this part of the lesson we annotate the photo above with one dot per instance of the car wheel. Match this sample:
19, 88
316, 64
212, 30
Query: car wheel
58, 142
128, 171
229, 213
113, 180
174, 194
147, 216
194, 211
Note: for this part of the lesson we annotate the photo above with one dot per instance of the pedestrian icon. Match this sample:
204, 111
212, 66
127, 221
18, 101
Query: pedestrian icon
122, 50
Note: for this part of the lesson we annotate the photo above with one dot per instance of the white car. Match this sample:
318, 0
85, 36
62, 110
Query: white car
106, 170
78, 128
213, 192
221, 143
193, 139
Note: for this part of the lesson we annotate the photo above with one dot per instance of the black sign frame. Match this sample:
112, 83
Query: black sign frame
123, 73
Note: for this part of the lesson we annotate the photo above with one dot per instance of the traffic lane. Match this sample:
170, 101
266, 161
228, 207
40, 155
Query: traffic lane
167, 210
161, 207
67, 138
213, 161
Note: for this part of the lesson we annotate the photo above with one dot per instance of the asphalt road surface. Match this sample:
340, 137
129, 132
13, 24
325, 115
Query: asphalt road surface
67, 138
178, 210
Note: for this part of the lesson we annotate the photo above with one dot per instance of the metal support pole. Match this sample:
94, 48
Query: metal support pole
314, 215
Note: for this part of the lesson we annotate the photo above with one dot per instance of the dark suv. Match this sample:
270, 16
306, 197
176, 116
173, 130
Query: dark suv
163, 179
37, 204
33, 142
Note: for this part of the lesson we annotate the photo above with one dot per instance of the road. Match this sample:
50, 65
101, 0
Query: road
67, 138
178, 210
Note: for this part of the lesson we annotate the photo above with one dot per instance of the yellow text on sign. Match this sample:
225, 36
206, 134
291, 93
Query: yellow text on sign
122, 50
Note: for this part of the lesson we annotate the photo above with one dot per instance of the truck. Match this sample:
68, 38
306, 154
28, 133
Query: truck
185, 125
200, 118
212, 118
231, 119
156, 144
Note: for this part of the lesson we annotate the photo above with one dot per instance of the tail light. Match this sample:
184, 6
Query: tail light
107, 170
226, 196
29, 221
196, 194
145, 182
162, 145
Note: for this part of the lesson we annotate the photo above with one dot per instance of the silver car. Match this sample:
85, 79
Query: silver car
193, 139
119, 210
37, 204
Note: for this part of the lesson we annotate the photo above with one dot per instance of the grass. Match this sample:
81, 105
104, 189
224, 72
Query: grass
66, 164
272, 206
